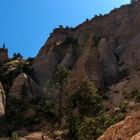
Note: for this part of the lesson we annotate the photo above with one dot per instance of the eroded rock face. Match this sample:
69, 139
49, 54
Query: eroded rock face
136, 137
24, 83
118, 47
108, 62
36, 136
130, 56
3, 125
127, 129
45, 63
2, 100
102, 62
88, 65
120, 27
69, 59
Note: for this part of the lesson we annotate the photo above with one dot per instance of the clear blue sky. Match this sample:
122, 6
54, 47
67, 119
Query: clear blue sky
26, 24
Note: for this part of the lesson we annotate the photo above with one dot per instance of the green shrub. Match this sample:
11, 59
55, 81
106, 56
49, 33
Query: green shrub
132, 1
86, 98
4, 138
90, 128
15, 107
15, 136
133, 95
50, 109
87, 129
11, 69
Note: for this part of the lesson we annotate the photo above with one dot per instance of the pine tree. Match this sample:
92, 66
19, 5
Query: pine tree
60, 78
132, 1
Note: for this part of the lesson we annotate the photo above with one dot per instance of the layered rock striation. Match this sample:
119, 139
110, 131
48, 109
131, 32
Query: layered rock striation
114, 39
3, 125
23, 84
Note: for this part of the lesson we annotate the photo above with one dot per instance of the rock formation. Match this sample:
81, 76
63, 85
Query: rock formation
44, 64
109, 63
3, 54
136, 137
127, 129
101, 54
69, 59
2, 100
3, 125
24, 83
36, 136
87, 65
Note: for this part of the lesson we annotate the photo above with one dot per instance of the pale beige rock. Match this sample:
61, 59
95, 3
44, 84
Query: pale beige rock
44, 65
3, 125
88, 65
120, 27
36, 136
2, 100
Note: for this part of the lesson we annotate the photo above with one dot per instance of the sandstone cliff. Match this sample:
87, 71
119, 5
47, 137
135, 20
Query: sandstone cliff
118, 51
104, 50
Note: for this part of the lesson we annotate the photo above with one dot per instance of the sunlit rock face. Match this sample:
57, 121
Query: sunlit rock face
3, 125
36, 136
127, 129
105, 47
2, 100
136, 137
88, 65
118, 41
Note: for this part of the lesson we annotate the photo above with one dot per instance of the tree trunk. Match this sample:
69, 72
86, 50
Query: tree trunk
60, 103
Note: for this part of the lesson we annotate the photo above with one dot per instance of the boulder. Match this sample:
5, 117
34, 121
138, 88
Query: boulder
36, 136
127, 129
